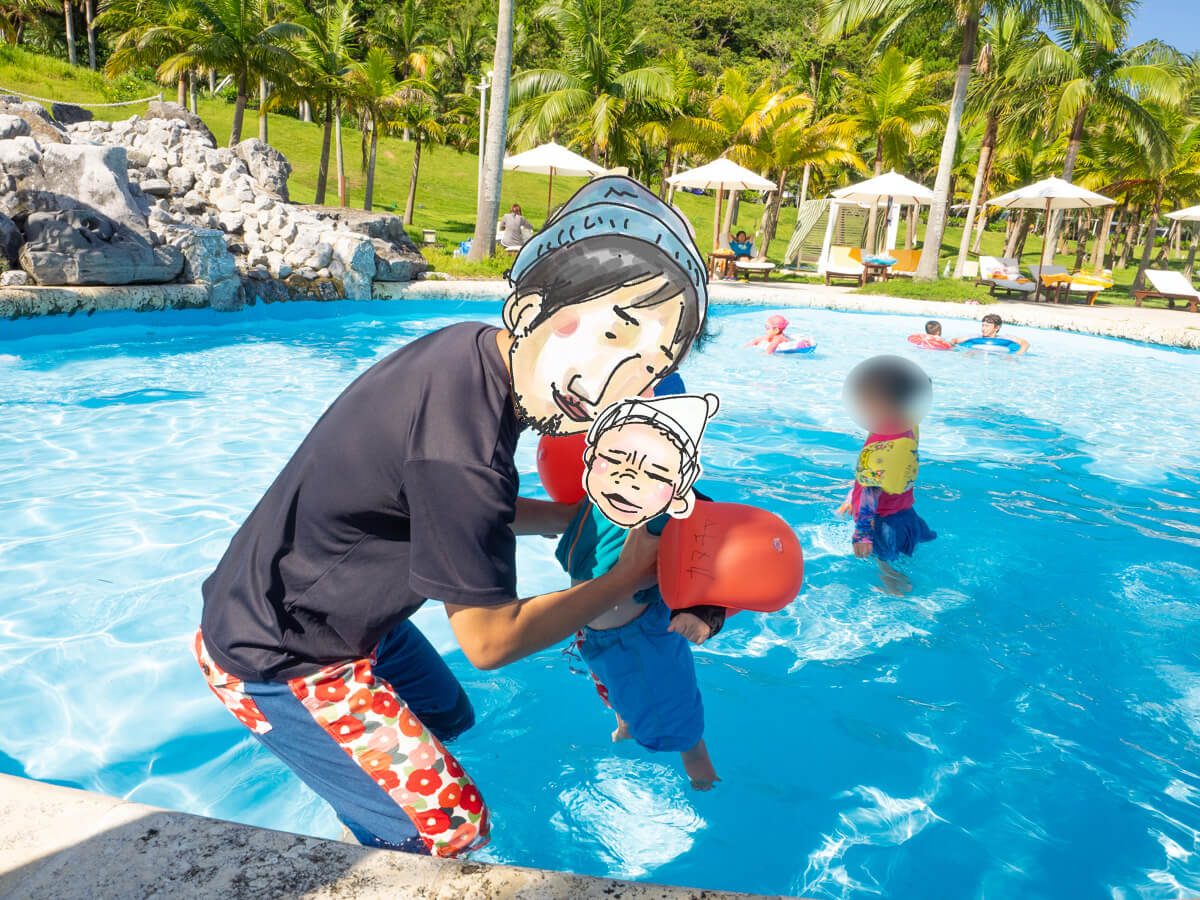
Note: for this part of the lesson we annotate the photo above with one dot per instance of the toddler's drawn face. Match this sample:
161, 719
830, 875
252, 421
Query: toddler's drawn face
632, 473
588, 355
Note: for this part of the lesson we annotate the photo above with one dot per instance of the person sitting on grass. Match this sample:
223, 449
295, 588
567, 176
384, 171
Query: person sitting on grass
512, 226
990, 328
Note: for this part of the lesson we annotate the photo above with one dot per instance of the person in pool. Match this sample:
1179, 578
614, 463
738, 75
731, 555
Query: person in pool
742, 246
642, 461
776, 336
933, 328
990, 328
887, 395
406, 490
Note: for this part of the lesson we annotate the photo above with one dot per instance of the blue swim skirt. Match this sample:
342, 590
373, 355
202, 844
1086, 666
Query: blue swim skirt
651, 679
900, 533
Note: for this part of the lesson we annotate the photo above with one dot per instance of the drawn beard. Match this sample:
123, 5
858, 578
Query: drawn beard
542, 425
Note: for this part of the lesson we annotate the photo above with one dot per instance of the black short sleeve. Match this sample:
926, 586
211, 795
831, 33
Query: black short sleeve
463, 550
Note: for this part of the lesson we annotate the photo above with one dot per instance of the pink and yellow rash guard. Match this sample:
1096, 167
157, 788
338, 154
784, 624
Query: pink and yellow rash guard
887, 470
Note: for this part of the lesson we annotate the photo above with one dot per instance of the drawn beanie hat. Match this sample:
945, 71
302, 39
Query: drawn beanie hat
617, 205
683, 417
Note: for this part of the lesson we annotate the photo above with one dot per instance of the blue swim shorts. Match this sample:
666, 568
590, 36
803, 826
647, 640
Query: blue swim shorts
650, 678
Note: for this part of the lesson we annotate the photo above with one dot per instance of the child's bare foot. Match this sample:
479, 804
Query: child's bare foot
699, 767
895, 582
622, 732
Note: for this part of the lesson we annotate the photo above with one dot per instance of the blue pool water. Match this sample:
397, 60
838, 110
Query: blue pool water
1025, 725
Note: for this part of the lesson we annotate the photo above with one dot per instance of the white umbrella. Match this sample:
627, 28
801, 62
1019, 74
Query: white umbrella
721, 175
1191, 214
1050, 194
892, 186
552, 159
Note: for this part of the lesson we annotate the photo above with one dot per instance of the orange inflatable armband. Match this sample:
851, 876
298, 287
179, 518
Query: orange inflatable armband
732, 555
560, 466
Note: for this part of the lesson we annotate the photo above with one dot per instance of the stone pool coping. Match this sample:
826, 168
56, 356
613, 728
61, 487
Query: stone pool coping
59, 843
1166, 327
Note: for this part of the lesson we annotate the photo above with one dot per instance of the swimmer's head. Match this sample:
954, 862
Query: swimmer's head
777, 323
887, 394
991, 325
933, 327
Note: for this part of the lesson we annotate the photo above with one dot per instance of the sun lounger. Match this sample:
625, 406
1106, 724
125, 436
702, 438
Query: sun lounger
842, 266
1169, 286
1052, 277
1003, 274
906, 263
750, 267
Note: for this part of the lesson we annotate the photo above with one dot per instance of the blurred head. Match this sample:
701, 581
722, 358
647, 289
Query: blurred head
887, 394
991, 325
515, 208
777, 323
933, 328
741, 237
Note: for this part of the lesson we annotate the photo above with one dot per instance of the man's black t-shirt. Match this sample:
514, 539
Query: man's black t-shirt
404, 490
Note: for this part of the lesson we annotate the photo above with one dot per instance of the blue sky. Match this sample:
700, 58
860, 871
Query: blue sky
1175, 21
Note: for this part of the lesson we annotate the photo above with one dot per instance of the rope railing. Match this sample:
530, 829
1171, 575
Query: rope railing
158, 96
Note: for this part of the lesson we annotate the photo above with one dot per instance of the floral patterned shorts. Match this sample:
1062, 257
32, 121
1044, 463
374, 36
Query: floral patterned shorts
384, 738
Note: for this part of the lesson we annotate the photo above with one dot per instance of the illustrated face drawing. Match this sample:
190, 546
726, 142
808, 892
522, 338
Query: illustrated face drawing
587, 355
607, 299
643, 457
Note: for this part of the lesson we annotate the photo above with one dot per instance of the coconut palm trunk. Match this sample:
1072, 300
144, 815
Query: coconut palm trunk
1017, 237
193, 92
239, 112
412, 182
70, 19
487, 205
1191, 260
1100, 248
981, 174
341, 162
181, 89
1139, 280
89, 11
263, 129
771, 216
1076, 141
804, 185
326, 138
370, 198
927, 269
873, 213
1131, 232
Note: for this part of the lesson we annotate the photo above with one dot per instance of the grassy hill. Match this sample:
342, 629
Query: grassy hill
446, 188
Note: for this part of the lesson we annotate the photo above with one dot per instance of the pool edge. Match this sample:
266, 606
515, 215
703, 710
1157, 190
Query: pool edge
59, 842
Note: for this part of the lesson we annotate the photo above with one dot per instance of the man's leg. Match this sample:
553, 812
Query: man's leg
418, 674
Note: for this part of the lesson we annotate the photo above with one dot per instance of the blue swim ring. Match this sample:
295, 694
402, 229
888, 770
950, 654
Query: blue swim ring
791, 347
991, 344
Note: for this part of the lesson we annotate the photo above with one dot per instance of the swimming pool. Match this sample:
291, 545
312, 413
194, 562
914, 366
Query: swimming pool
1025, 725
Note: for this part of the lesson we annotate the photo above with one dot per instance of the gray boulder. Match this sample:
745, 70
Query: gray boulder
165, 110
155, 187
207, 261
267, 165
11, 240
70, 114
14, 278
96, 177
41, 126
20, 157
13, 126
86, 247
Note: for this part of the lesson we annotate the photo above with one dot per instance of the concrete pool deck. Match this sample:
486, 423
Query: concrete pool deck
58, 843
1167, 327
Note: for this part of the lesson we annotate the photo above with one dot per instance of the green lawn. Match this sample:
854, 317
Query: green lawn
446, 190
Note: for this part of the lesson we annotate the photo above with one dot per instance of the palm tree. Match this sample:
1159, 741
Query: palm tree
235, 36
890, 104
604, 89
420, 117
688, 90
961, 17
488, 203
324, 48
737, 124
1008, 38
146, 36
801, 145
1093, 74
403, 32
